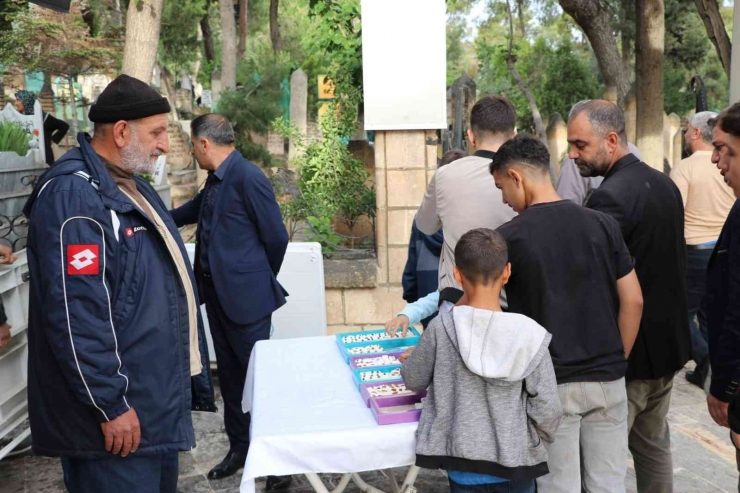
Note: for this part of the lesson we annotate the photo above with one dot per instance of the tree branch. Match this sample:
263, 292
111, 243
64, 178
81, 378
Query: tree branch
710, 14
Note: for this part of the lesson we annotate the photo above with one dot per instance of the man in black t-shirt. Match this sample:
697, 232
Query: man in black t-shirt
649, 209
572, 273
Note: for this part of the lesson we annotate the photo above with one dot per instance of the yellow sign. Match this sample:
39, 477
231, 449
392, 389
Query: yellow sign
326, 87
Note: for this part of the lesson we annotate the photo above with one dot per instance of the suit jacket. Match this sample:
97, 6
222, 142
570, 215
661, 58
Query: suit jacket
649, 209
722, 306
247, 243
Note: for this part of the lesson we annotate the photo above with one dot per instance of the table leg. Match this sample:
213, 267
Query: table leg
319, 487
394, 483
408, 483
366, 488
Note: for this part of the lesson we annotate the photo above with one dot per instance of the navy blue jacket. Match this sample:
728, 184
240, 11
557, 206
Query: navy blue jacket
108, 320
722, 306
247, 243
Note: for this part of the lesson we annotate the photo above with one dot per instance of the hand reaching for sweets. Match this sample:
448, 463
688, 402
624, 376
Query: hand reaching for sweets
400, 322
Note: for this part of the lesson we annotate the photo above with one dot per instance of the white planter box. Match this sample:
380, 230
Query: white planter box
14, 290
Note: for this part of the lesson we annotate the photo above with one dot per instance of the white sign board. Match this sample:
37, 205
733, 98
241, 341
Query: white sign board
404, 64
302, 276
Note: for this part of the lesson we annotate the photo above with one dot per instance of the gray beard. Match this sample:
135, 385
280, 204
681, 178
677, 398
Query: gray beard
135, 159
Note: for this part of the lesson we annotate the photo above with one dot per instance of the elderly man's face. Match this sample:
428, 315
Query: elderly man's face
587, 148
726, 156
147, 142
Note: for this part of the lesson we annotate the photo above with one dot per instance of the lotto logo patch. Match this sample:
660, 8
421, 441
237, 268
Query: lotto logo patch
83, 260
132, 231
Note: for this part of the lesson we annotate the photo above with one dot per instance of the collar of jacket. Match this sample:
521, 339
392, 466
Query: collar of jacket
484, 153
223, 168
112, 197
622, 163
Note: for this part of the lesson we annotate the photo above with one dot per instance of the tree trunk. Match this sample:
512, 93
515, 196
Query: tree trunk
593, 17
626, 34
73, 106
709, 13
205, 27
649, 48
143, 21
511, 62
228, 45
538, 125
243, 29
520, 15
274, 26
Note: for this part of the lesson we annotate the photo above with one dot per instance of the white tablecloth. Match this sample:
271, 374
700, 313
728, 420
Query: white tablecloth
308, 416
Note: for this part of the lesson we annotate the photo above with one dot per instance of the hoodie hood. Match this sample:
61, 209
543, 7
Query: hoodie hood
496, 345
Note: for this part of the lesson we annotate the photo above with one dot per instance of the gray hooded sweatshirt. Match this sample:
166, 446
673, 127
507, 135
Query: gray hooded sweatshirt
492, 398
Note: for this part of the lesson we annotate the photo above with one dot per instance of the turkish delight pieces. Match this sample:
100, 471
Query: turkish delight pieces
384, 360
389, 389
374, 348
369, 376
369, 337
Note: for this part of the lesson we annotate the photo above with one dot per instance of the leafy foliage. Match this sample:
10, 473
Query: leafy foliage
13, 138
46, 41
333, 184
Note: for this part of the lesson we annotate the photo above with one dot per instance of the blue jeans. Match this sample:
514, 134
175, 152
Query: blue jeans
147, 474
528, 486
696, 286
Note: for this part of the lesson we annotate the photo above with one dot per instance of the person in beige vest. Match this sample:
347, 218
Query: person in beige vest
707, 201
461, 197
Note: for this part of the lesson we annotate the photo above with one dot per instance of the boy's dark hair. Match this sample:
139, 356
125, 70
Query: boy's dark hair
728, 120
493, 115
481, 255
452, 155
522, 149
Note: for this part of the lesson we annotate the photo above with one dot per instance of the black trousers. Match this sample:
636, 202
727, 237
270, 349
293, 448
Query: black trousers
696, 284
233, 344
147, 474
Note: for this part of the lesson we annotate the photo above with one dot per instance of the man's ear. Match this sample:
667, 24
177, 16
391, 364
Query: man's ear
612, 141
121, 133
458, 276
506, 274
471, 138
516, 176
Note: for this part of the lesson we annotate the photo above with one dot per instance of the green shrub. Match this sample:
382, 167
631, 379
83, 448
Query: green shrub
13, 138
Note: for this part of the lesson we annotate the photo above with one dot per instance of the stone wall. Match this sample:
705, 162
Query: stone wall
364, 294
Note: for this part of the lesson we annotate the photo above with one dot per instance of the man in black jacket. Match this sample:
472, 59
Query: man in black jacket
722, 301
649, 209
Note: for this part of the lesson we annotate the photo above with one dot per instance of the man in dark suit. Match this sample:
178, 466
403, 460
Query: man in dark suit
649, 209
240, 247
722, 301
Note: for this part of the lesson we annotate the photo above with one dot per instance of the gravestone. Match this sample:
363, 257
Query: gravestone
181, 172
275, 144
557, 142
215, 86
462, 94
298, 106
206, 98
671, 126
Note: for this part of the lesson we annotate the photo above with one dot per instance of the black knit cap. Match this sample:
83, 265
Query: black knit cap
127, 98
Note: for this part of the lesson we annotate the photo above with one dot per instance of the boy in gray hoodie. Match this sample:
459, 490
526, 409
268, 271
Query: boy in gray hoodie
493, 397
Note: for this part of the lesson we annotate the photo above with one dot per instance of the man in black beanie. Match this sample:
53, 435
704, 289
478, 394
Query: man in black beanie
117, 356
